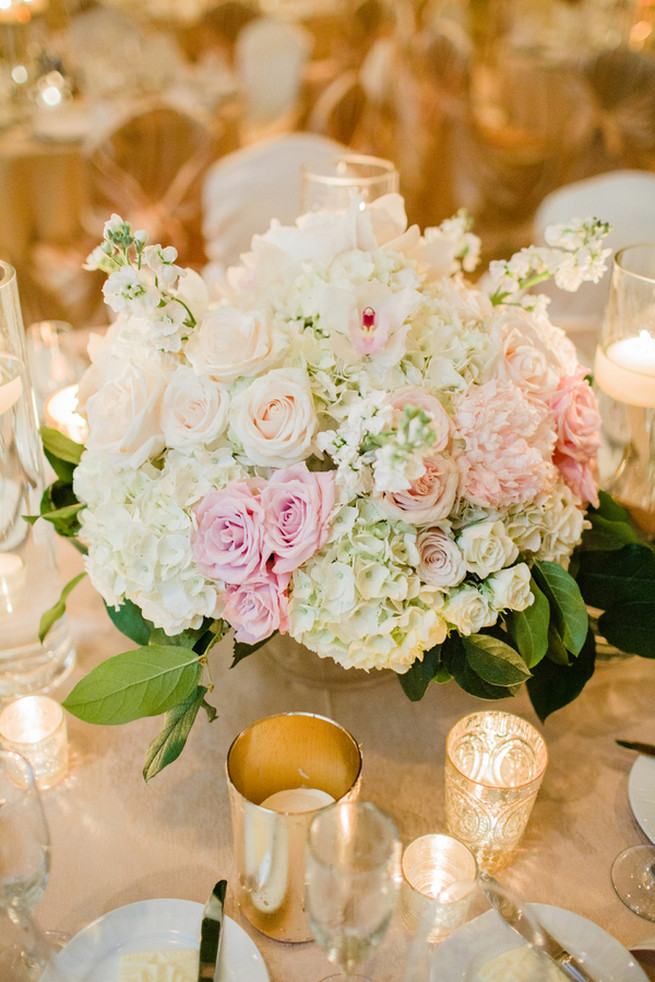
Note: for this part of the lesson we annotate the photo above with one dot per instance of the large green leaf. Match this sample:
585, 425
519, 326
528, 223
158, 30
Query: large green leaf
416, 681
624, 575
610, 526
566, 603
170, 742
50, 616
130, 621
553, 685
242, 650
631, 627
494, 661
454, 661
529, 627
144, 682
60, 447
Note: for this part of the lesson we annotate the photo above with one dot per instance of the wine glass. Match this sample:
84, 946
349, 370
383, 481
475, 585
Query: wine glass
633, 878
351, 881
24, 866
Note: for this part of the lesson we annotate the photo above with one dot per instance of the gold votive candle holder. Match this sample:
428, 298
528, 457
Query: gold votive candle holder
35, 727
495, 763
439, 880
280, 771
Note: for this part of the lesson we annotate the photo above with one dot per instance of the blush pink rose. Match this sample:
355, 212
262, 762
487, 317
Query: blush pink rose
441, 563
257, 608
579, 477
297, 506
429, 498
228, 543
577, 419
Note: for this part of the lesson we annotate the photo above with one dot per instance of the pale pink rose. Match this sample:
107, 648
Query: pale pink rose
429, 498
579, 477
274, 418
228, 542
508, 443
297, 507
527, 360
414, 395
230, 343
257, 608
441, 563
577, 418
194, 409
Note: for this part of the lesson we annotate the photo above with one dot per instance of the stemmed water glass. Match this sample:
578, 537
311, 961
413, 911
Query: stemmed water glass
633, 878
24, 870
352, 881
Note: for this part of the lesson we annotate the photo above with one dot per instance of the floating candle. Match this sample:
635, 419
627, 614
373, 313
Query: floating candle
294, 800
626, 370
60, 413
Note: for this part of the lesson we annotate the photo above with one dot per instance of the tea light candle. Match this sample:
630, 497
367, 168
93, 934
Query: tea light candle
35, 727
13, 577
626, 370
439, 878
60, 413
294, 800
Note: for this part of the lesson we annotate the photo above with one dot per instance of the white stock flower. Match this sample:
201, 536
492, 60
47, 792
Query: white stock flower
486, 547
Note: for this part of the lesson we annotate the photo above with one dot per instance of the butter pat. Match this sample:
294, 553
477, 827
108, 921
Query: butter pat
176, 965
519, 965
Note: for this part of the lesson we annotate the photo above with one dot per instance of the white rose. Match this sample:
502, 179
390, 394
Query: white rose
468, 610
274, 418
230, 343
509, 588
441, 563
194, 409
486, 547
123, 417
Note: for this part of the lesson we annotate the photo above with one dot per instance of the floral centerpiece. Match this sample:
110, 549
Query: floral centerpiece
354, 446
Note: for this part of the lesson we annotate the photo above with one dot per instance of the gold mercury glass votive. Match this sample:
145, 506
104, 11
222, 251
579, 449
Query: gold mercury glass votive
439, 880
495, 763
35, 727
280, 771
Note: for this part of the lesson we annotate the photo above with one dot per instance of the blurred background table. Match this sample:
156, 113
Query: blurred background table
117, 840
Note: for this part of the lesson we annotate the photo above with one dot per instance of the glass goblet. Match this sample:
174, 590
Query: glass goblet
633, 878
351, 881
24, 863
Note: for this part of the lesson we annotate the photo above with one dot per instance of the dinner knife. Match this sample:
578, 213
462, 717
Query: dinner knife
532, 931
211, 933
641, 748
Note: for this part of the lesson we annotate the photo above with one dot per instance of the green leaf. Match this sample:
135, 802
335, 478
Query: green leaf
60, 447
170, 742
242, 650
130, 621
529, 627
49, 617
144, 682
415, 682
556, 648
630, 626
553, 685
494, 661
455, 661
618, 577
566, 603
608, 535
185, 639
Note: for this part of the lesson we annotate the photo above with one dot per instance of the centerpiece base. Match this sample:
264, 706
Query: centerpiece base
307, 667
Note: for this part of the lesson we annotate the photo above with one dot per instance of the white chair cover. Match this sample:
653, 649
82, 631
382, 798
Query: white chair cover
270, 59
246, 189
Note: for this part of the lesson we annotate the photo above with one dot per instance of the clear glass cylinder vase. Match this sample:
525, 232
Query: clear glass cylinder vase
29, 578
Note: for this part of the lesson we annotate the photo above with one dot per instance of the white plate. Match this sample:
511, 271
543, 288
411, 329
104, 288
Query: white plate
641, 792
94, 954
488, 936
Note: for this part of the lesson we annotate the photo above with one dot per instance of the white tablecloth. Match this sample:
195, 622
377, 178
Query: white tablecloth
117, 840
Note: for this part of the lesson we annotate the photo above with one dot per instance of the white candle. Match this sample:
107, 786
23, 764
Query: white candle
60, 413
13, 577
10, 393
297, 800
35, 727
626, 371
